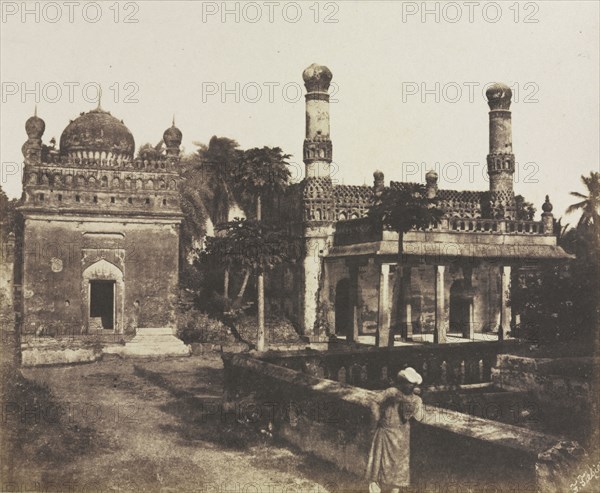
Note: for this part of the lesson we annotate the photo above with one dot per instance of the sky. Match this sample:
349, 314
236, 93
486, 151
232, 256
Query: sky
408, 81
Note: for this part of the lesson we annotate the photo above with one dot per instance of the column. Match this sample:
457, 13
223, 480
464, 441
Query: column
469, 329
355, 298
383, 315
505, 310
406, 308
439, 336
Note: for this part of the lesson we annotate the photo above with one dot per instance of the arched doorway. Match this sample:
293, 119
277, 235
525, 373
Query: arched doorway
461, 300
103, 287
343, 308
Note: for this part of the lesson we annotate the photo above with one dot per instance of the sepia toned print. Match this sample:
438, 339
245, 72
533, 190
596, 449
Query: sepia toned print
276, 247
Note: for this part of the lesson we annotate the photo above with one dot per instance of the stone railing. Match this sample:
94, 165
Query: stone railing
364, 230
494, 226
443, 365
336, 422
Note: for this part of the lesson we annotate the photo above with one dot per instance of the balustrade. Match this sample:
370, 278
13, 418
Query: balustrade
445, 365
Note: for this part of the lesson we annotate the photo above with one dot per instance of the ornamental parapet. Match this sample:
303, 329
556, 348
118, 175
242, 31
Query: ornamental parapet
365, 230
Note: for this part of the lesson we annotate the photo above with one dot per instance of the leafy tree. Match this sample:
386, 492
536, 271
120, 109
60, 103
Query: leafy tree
9, 215
262, 172
206, 195
251, 246
402, 210
211, 170
586, 268
151, 152
525, 210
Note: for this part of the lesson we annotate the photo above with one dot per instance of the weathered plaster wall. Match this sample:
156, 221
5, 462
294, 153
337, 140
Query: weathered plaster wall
336, 422
57, 252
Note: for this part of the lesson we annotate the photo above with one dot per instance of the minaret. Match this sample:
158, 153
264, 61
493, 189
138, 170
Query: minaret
317, 206
500, 160
317, 143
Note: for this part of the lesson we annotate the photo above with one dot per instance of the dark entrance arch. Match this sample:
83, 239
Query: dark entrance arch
343, 308
460, 307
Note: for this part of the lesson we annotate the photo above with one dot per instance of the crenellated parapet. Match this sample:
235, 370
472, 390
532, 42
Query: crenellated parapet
46, 159
95, 171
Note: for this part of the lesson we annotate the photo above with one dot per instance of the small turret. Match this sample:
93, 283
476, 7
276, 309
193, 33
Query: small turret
172, 139
548, 217
35, 127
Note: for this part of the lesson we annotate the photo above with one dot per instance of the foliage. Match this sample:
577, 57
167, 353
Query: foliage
525, 210
151, 153
210, 172
544, 299
561, 302
10, 216
406, 208
249, 244
196, 326
279, 330
590, 205
261, 172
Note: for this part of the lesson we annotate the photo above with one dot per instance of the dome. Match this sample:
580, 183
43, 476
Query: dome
35, 126
499, 96
172, 136
97, 132
317, 78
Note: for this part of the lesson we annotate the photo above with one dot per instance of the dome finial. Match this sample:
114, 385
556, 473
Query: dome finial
173, 124
99, 107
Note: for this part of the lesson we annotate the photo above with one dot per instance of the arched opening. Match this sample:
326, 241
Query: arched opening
461, 300
103, 304
343, 308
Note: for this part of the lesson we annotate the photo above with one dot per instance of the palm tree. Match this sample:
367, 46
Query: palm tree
207, 191
590, 205
402, 210
263, 172
587, 265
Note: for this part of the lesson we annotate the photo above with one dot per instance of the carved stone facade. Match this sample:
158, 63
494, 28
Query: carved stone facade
348, 262
101, 230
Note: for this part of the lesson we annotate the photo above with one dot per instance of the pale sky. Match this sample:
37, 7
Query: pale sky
179, 54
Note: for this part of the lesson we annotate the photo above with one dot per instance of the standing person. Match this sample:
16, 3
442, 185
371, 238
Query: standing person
389, 460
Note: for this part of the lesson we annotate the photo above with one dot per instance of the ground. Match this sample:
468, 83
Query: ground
143, 425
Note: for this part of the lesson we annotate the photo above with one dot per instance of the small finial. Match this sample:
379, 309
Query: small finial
173, 119
99, 98
547, 206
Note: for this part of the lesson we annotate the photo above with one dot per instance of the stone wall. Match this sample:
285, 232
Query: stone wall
57, 251
335, 422
563, 386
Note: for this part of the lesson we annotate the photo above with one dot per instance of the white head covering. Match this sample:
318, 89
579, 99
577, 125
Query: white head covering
410, 375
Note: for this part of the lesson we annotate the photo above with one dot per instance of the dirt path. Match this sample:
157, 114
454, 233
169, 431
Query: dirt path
140, 425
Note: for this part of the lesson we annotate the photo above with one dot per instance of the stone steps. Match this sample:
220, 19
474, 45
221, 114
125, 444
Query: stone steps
152, 341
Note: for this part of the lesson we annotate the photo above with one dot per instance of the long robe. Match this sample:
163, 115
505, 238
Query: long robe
389, 459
